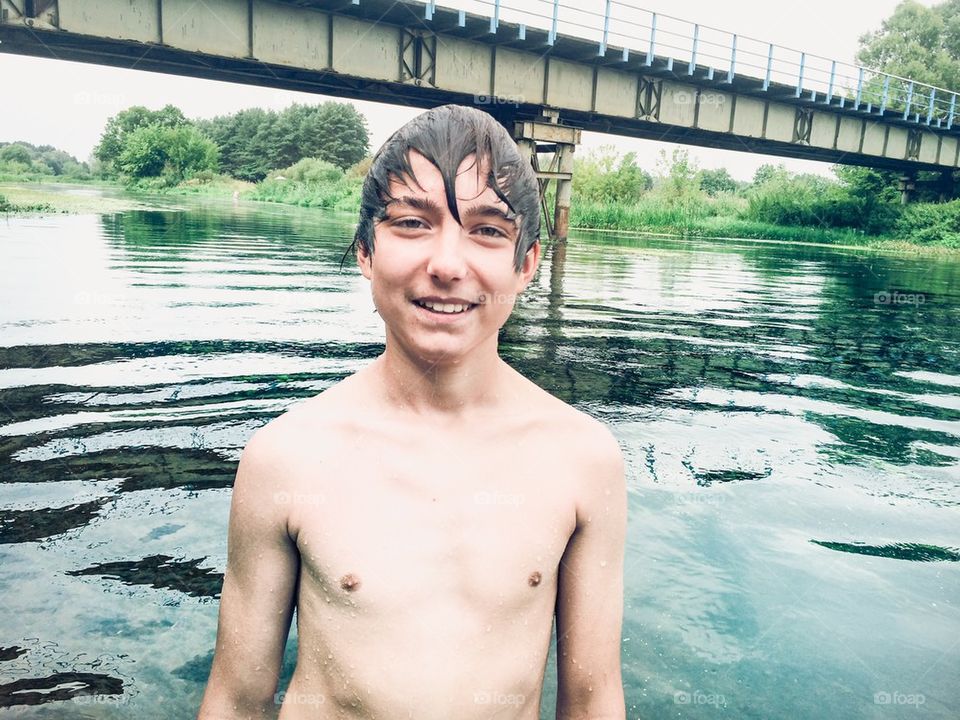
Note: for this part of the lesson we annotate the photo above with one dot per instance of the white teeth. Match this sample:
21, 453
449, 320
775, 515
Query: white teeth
444, 308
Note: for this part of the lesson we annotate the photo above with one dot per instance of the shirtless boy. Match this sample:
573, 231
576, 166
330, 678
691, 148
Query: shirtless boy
428, 515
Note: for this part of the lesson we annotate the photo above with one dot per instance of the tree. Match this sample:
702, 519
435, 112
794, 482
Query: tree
23, 157
339, 135
174, 153
240, 156
917, 42
767, 172
603, 176
254, 142
714, 182
679, 177
120, 126
16, 152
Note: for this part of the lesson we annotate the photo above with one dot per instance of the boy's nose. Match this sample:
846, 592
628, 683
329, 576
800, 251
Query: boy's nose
447, 261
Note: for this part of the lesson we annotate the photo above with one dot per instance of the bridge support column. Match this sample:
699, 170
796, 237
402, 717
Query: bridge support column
547, 135
908, 184
946, 185
561, 213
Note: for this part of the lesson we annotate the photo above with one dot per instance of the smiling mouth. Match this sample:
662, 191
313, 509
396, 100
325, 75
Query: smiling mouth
445, 308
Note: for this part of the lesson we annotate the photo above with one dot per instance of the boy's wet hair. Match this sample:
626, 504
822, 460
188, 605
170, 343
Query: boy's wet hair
445, 136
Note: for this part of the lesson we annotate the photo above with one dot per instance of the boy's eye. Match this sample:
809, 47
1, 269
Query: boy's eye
491, 231
410, 223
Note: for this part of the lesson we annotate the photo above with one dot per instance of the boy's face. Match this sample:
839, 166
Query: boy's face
423, 256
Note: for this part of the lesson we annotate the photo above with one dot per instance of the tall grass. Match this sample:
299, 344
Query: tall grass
652, 212
700, 221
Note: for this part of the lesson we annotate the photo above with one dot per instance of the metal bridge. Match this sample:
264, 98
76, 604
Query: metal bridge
545, 68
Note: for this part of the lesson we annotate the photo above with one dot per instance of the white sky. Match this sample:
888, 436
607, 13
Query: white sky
67, 104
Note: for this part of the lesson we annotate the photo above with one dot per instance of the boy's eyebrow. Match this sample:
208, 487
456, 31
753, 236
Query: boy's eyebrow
425, 204
428, 205
483, 210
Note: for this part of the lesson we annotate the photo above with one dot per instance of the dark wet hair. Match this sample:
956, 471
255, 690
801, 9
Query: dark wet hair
445, 136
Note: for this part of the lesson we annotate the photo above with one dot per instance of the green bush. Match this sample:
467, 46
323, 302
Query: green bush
815, 201
360, 168
311, 170
930, 224
205, 176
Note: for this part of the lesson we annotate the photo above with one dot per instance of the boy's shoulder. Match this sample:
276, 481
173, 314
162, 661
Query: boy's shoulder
305, 427
583, 434
319, 414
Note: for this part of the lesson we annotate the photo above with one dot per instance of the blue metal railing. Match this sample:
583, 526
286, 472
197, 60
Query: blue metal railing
633, 31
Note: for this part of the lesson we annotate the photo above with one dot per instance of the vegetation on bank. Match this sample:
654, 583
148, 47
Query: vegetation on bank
858, 207
22, 161
8, 206
42, 199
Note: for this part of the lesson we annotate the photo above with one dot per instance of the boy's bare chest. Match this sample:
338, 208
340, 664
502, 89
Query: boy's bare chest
383, 525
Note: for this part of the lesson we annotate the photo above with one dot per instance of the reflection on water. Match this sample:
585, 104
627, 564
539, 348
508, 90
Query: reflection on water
160, 571
792, 439
901, 551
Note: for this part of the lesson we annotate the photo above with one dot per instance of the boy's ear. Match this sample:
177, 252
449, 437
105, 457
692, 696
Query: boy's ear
530, 262
364, 260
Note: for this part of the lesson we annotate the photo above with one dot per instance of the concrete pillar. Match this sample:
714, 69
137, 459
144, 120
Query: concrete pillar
908, 184
945, 185
561, 213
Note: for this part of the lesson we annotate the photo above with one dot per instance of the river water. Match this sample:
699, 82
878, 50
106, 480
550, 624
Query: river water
790, 418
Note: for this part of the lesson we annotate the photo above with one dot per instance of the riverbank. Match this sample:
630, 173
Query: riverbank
47, 198
648, 218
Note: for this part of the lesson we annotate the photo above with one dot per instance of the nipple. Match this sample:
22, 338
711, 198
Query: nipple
534, 578
349, 582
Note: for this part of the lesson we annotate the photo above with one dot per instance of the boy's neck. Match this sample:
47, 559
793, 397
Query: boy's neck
445, 389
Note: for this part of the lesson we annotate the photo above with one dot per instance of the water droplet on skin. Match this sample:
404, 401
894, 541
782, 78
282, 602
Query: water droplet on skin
489, 628
329, 656
603, 563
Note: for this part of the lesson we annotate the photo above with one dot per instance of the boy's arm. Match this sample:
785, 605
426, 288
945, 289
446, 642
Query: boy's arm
590, 592
259, 592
